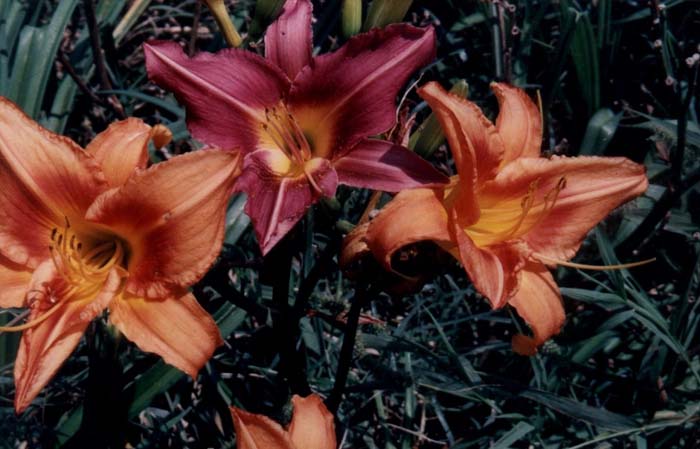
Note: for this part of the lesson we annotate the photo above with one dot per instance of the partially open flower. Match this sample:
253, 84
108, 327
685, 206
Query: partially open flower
412, 265
312, 427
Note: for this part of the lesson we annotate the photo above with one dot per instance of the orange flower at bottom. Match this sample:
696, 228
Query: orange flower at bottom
508, 213
84, 231
312, 427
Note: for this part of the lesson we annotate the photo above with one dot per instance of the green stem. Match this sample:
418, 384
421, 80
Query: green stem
105, 410
347, 350
277, 268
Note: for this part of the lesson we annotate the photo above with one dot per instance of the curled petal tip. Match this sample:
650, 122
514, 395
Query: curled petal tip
524, 345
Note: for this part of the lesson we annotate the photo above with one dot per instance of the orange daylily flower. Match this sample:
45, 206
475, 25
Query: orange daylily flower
312, 427
508, 213
82, 231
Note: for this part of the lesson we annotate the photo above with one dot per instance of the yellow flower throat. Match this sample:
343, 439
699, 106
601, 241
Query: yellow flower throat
82, 270
503, 220
286, 134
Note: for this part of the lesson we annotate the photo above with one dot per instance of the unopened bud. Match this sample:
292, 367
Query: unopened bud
429, 136
161, 136
352, 17
228, 29
384, 12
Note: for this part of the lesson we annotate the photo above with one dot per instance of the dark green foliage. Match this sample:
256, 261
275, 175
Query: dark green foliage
435, 369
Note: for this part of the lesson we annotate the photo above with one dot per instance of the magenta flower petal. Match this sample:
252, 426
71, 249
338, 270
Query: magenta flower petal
381, 165
288, 41
277, 201
350, 94
225, 93
296, 116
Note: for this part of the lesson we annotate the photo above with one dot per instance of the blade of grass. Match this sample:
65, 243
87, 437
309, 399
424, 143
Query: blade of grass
513, 435
36, 52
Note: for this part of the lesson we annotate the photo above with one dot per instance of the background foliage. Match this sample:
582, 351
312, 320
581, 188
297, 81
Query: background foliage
433, 369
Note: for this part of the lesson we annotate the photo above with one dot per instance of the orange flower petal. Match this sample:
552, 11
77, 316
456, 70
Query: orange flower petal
475, 145
412, 216
123, 148
519, 123
538, 302
44, 178
14, 283
43, 348
176, 328
172, 216
259, 432
312, 425
493, 269
594, 186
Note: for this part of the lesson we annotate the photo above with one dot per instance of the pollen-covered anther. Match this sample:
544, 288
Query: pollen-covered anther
286, 134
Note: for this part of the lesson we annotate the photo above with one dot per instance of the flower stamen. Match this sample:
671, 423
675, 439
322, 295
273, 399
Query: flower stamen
286, 134
564, 263
84, 273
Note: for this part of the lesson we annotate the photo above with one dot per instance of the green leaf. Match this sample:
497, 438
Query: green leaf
169, 106
597, 416
236, 220
592, 346
157, 379
34, 62
62, 105
584, 54
515, 434
599, 132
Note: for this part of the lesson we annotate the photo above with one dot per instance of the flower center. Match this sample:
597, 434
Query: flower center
79, 265
286, 135
82, 271
284, 131
510, 219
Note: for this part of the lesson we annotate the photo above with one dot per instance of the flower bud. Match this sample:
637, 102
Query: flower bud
228, 29
384, 12
352, 17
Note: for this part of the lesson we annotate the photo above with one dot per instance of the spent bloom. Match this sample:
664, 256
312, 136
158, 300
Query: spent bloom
311, 427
